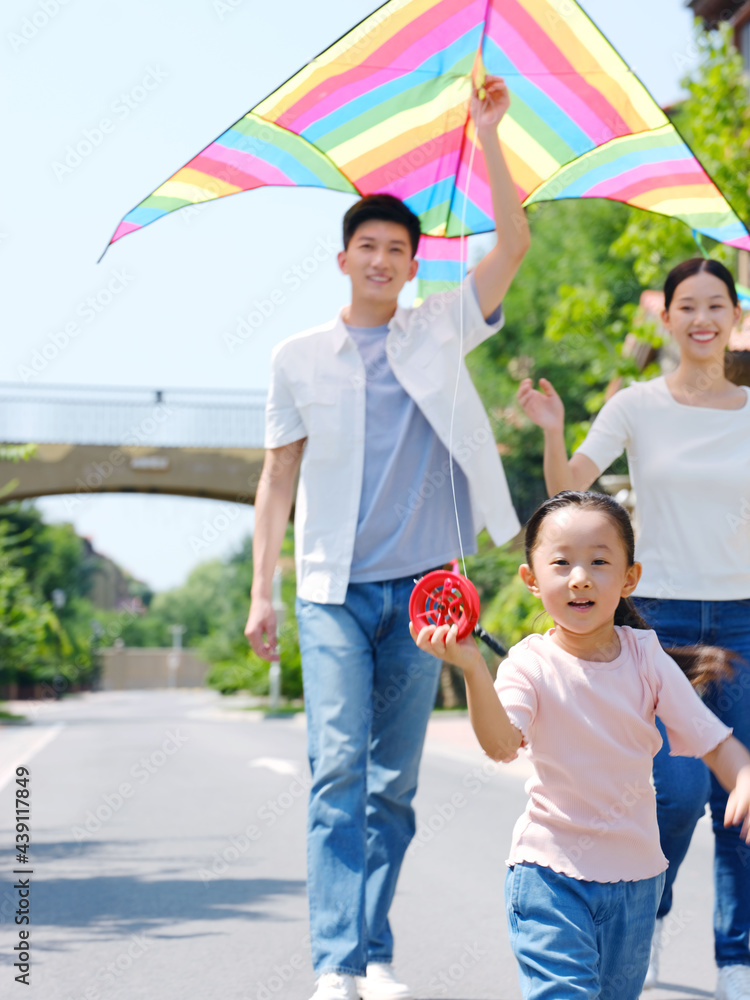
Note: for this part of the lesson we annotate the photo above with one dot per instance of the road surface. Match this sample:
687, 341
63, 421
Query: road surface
168, 861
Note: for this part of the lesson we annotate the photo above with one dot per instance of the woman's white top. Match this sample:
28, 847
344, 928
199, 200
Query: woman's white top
690, 468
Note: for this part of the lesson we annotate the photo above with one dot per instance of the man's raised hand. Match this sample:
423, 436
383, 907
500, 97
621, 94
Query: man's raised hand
487, 111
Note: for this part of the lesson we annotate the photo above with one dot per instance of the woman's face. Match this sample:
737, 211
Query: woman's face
701, 317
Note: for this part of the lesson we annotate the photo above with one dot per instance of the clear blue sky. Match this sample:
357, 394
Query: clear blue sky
168, 77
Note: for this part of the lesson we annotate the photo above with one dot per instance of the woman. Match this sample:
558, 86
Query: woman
687, 438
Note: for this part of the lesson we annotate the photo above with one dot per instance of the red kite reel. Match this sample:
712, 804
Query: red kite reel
443, 598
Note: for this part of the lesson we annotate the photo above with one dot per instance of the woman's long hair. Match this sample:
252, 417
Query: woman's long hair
695, 266
702, 665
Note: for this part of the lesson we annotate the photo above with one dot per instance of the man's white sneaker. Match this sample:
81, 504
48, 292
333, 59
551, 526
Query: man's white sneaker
381, 984
652, 976
334, 986
734, 983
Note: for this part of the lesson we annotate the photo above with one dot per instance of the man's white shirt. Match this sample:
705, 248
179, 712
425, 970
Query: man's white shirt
317, 391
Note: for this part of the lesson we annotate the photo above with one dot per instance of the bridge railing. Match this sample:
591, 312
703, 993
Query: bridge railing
117, 415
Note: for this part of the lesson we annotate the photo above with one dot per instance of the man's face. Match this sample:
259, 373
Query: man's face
378, 260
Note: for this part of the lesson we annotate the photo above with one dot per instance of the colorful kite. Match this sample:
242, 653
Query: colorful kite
385, 108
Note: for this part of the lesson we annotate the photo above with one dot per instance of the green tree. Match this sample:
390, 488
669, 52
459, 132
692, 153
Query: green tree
212, 604
57, 571
235, 666
24, 619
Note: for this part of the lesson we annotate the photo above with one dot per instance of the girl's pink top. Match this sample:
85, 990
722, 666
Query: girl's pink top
590, 734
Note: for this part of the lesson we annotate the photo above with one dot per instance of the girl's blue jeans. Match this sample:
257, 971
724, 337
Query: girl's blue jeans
369, 693
576, 940
684, 784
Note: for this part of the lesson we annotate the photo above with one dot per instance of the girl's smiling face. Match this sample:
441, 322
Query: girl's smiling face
580, 571
701, 316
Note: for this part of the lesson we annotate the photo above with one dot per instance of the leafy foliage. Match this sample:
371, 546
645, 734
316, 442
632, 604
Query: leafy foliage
212, 605
25, 619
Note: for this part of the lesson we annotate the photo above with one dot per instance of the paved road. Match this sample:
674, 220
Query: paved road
168, 860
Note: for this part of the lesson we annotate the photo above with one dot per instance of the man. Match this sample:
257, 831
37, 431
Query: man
363, 408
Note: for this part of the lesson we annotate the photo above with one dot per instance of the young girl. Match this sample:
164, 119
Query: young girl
687, 438
585, 868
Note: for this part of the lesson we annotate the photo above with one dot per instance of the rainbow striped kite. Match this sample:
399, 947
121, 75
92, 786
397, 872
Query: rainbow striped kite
385, 108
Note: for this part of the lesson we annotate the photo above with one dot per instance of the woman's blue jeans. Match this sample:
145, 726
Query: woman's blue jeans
368, 696
684, 784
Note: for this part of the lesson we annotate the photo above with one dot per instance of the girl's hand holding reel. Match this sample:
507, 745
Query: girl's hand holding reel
447, 600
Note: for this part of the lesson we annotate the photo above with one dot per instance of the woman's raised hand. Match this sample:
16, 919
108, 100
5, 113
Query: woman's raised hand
544, 408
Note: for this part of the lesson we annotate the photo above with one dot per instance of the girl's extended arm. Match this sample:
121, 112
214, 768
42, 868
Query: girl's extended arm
730, 762
497, 735
546, 410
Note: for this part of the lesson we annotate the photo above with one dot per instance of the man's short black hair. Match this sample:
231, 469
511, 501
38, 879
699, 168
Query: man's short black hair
386, 207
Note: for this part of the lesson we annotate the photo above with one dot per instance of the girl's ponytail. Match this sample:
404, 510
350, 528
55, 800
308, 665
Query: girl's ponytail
702, 665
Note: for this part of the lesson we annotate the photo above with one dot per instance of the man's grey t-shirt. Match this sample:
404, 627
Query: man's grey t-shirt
407, 520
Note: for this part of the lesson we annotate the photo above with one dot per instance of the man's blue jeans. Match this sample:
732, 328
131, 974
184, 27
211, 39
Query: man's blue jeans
577, 940
684, 784
368, 696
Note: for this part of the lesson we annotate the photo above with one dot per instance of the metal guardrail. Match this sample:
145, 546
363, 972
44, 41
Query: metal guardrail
117, 415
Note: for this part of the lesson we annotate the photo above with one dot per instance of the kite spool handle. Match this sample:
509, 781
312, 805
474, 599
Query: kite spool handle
443, 598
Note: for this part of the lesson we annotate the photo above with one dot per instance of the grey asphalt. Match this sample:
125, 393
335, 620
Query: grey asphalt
168, 859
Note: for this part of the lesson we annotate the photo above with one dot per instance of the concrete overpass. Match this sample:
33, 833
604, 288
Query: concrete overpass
90, 439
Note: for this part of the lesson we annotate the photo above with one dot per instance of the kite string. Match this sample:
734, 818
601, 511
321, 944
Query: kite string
462, 264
